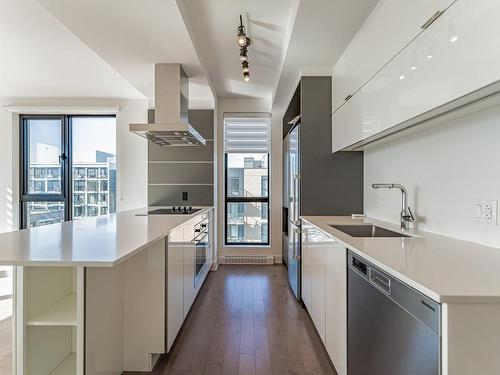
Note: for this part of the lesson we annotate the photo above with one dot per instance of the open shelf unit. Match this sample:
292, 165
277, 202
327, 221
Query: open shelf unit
51, 334
68, 366
61, 313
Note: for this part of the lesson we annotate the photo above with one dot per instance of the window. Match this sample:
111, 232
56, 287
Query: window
63, 157
92, 186
78, 199
79, 186
247, 151
79, 173
92, 172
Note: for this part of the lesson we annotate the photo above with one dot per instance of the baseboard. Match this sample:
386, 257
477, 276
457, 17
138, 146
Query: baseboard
263, 260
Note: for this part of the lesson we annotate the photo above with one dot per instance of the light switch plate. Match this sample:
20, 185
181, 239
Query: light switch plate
485, 211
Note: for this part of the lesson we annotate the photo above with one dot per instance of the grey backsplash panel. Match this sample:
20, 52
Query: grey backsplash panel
173, 171
181, 173
187, 153
171, 195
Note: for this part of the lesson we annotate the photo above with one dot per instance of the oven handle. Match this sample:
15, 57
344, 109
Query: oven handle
199, 237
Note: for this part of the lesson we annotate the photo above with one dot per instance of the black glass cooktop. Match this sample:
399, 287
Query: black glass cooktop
174, 211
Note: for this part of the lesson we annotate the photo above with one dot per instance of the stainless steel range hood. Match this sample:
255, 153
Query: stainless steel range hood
171, 126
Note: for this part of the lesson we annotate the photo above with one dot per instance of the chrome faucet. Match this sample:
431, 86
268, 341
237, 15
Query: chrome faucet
406, 214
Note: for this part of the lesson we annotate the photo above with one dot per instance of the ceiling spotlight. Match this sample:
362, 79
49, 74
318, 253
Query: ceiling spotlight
243, 40
244, 64
246, 76
243, 54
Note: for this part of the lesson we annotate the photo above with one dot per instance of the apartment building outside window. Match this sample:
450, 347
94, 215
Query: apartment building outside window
247, 151
68, 168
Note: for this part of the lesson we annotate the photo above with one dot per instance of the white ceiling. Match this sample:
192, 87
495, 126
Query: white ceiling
213, 28
133, 35
96, 48
321, 32
40, 58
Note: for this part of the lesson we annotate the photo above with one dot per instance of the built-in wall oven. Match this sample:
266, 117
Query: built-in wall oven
201, 241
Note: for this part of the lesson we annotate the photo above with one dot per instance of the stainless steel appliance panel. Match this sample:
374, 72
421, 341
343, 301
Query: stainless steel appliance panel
392, 328
294, 264
293, 189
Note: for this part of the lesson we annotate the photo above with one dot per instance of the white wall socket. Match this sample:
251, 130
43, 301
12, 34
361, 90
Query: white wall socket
485, 211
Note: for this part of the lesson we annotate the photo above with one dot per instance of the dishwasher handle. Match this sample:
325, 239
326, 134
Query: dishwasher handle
381, 281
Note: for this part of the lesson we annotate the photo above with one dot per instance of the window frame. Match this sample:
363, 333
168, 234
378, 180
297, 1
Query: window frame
66, 159
233, 199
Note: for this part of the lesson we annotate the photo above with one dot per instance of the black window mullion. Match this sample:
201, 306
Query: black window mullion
233, 199
68, 166
24, 162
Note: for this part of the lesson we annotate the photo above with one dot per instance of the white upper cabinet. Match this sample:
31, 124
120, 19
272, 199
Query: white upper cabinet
455, 56
389, 28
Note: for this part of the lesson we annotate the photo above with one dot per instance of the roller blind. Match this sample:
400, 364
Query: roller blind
247, 134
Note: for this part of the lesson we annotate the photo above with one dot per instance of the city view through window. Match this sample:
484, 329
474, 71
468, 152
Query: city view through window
93, 169
247, 198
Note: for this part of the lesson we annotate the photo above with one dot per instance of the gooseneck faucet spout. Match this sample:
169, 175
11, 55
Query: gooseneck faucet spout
406, 214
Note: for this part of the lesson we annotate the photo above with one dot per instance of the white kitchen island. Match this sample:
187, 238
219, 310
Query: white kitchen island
105, 294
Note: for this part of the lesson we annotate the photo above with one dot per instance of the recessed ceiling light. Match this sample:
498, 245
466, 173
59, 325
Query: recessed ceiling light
454, 39
413, 68
429, 56
402, 77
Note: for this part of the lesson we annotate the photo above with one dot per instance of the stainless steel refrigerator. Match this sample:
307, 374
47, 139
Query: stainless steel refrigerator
315, 181
292, 191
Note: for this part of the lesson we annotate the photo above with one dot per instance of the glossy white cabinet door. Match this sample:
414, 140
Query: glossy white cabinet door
458, 54
306, 265
175, 296
389, 28
336, 305
189, 258
318, 283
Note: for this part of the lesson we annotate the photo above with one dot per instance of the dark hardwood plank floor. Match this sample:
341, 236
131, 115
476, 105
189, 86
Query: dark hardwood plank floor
246, 321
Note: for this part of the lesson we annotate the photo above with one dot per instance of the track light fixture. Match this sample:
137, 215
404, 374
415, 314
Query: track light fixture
243, 43
242, 39
243, 54
245, 67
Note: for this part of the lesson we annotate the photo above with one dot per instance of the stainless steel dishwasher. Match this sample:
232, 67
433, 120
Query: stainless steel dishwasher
392, 329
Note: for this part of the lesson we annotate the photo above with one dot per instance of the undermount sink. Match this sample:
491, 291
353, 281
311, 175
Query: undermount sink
368, 230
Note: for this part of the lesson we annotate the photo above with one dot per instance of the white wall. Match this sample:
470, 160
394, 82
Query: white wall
445, 169
239, 105
132, 156
131, 152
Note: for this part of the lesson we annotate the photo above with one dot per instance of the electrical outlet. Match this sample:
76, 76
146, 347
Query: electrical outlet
485, 211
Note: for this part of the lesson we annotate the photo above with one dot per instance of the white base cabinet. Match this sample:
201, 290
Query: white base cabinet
181, 270
324, 291
336, 304
175, 284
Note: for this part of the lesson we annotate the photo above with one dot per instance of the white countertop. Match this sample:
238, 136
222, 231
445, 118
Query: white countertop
445, 269
101, 241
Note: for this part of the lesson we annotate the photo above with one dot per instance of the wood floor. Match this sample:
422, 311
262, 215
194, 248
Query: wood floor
246, 321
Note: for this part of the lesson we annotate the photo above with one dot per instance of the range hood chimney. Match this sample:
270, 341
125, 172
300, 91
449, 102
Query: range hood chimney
171, 127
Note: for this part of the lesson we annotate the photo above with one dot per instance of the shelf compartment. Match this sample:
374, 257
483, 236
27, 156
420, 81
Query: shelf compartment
66, 367
61, 313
